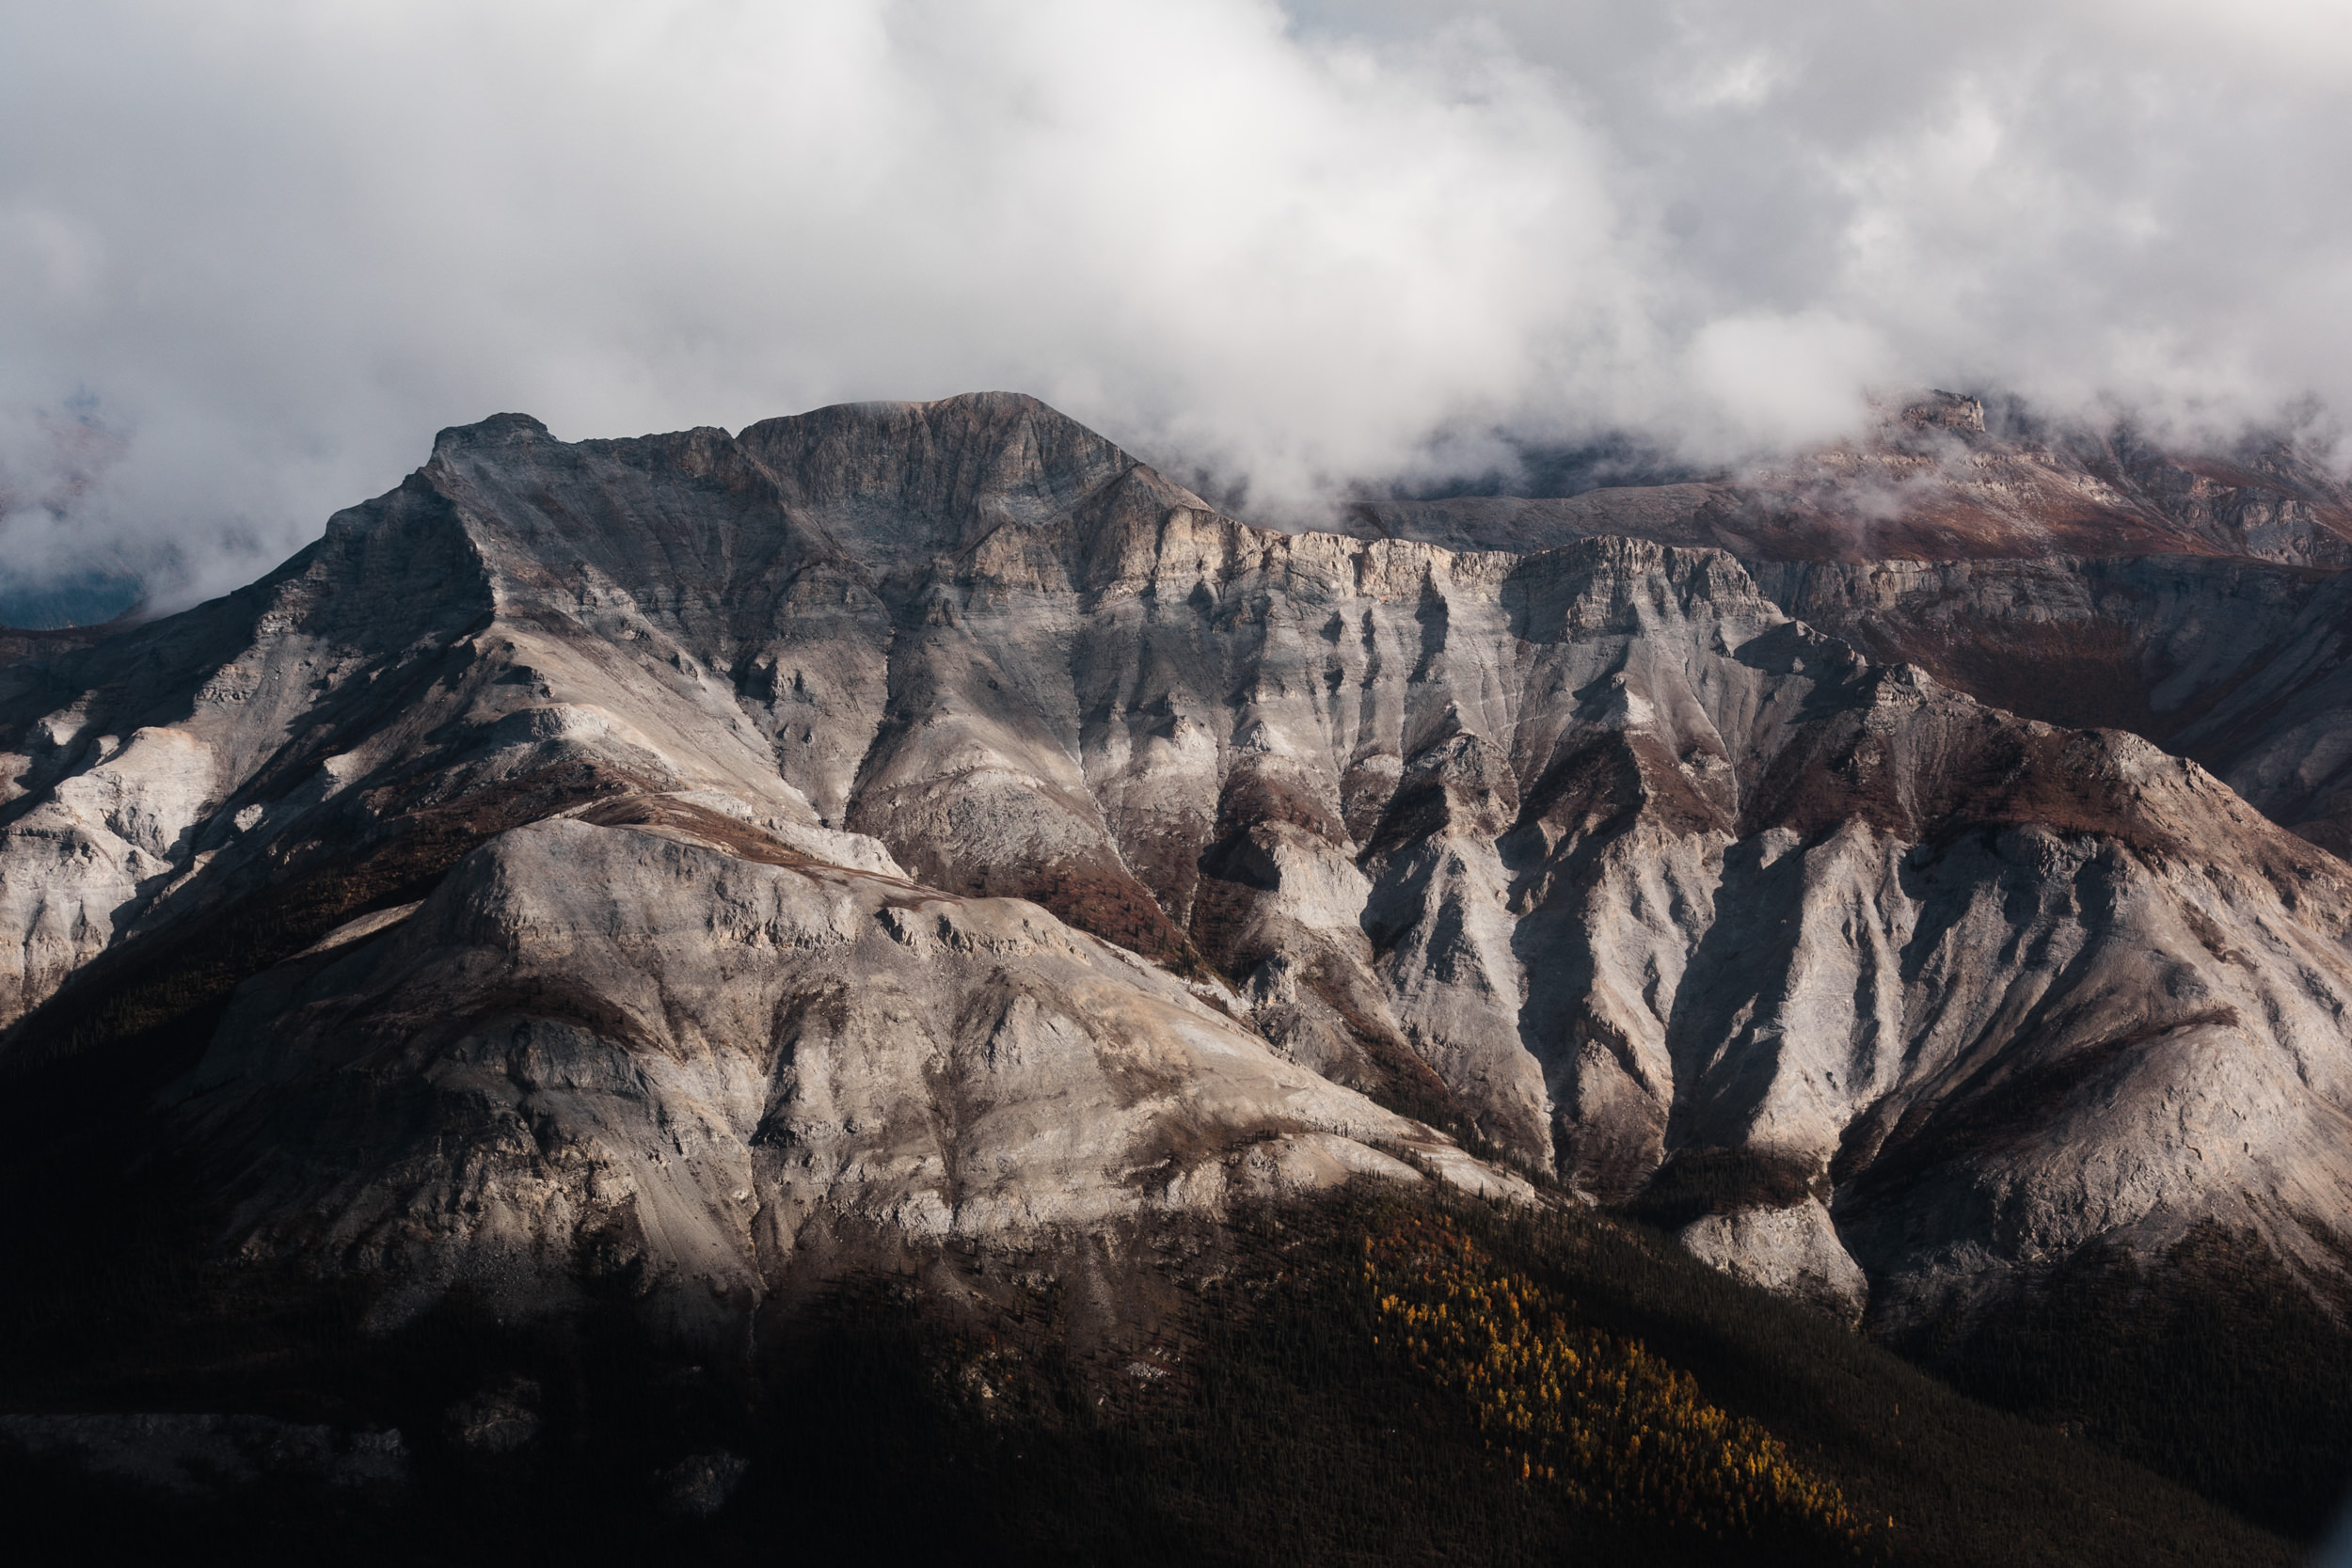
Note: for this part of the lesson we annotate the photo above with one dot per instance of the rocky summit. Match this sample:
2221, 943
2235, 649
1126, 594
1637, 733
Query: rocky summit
724, 856
1932, 479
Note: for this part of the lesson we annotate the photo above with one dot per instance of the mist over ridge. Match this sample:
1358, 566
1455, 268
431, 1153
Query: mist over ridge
1291, 254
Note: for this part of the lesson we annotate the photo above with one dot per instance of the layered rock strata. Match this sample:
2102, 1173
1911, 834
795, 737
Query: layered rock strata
1594, 852
714, 1058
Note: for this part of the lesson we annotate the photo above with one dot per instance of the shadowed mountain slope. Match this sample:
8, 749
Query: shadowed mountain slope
2239, 664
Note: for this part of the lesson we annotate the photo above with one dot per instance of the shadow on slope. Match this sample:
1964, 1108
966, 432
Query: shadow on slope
893, 1418
2221, 1369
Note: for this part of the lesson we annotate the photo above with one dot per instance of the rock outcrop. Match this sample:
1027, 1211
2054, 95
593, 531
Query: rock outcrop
712, 1057
918, 819
2239, 664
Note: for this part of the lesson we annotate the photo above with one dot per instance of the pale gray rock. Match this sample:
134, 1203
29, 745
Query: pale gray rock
89, 849
924, 821
1792, 1252
618, 1040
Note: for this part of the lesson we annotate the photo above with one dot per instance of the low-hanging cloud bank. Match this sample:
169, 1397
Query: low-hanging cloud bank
255, 253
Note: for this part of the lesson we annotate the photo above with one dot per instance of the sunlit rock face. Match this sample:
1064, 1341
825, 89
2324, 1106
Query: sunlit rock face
1793, 1251
716, 1056
924, 818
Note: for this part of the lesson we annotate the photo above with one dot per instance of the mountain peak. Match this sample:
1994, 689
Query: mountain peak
498, 430
904, 826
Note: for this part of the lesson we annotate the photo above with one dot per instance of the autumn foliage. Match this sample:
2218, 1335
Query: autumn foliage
1613, 1427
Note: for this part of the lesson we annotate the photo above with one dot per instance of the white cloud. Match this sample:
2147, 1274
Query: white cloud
279, 244
1775, 382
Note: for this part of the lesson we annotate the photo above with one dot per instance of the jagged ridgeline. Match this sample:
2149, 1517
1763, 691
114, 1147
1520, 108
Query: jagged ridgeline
675, 880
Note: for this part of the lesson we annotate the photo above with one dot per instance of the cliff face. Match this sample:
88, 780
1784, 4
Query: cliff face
749, 744
2239, 664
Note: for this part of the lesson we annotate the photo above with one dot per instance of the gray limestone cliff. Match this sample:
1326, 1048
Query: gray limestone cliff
924, 819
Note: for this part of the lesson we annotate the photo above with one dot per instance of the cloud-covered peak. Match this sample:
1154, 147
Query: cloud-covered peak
272, 247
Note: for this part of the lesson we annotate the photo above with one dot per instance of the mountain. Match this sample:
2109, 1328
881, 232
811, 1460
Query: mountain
1595, 849
1935, 481
717, 864
2236, 663
663, 1007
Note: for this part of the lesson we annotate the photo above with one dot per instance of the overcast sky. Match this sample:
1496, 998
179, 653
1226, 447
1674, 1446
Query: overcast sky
253, 254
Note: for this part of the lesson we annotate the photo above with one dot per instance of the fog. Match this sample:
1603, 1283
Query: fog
254, 254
